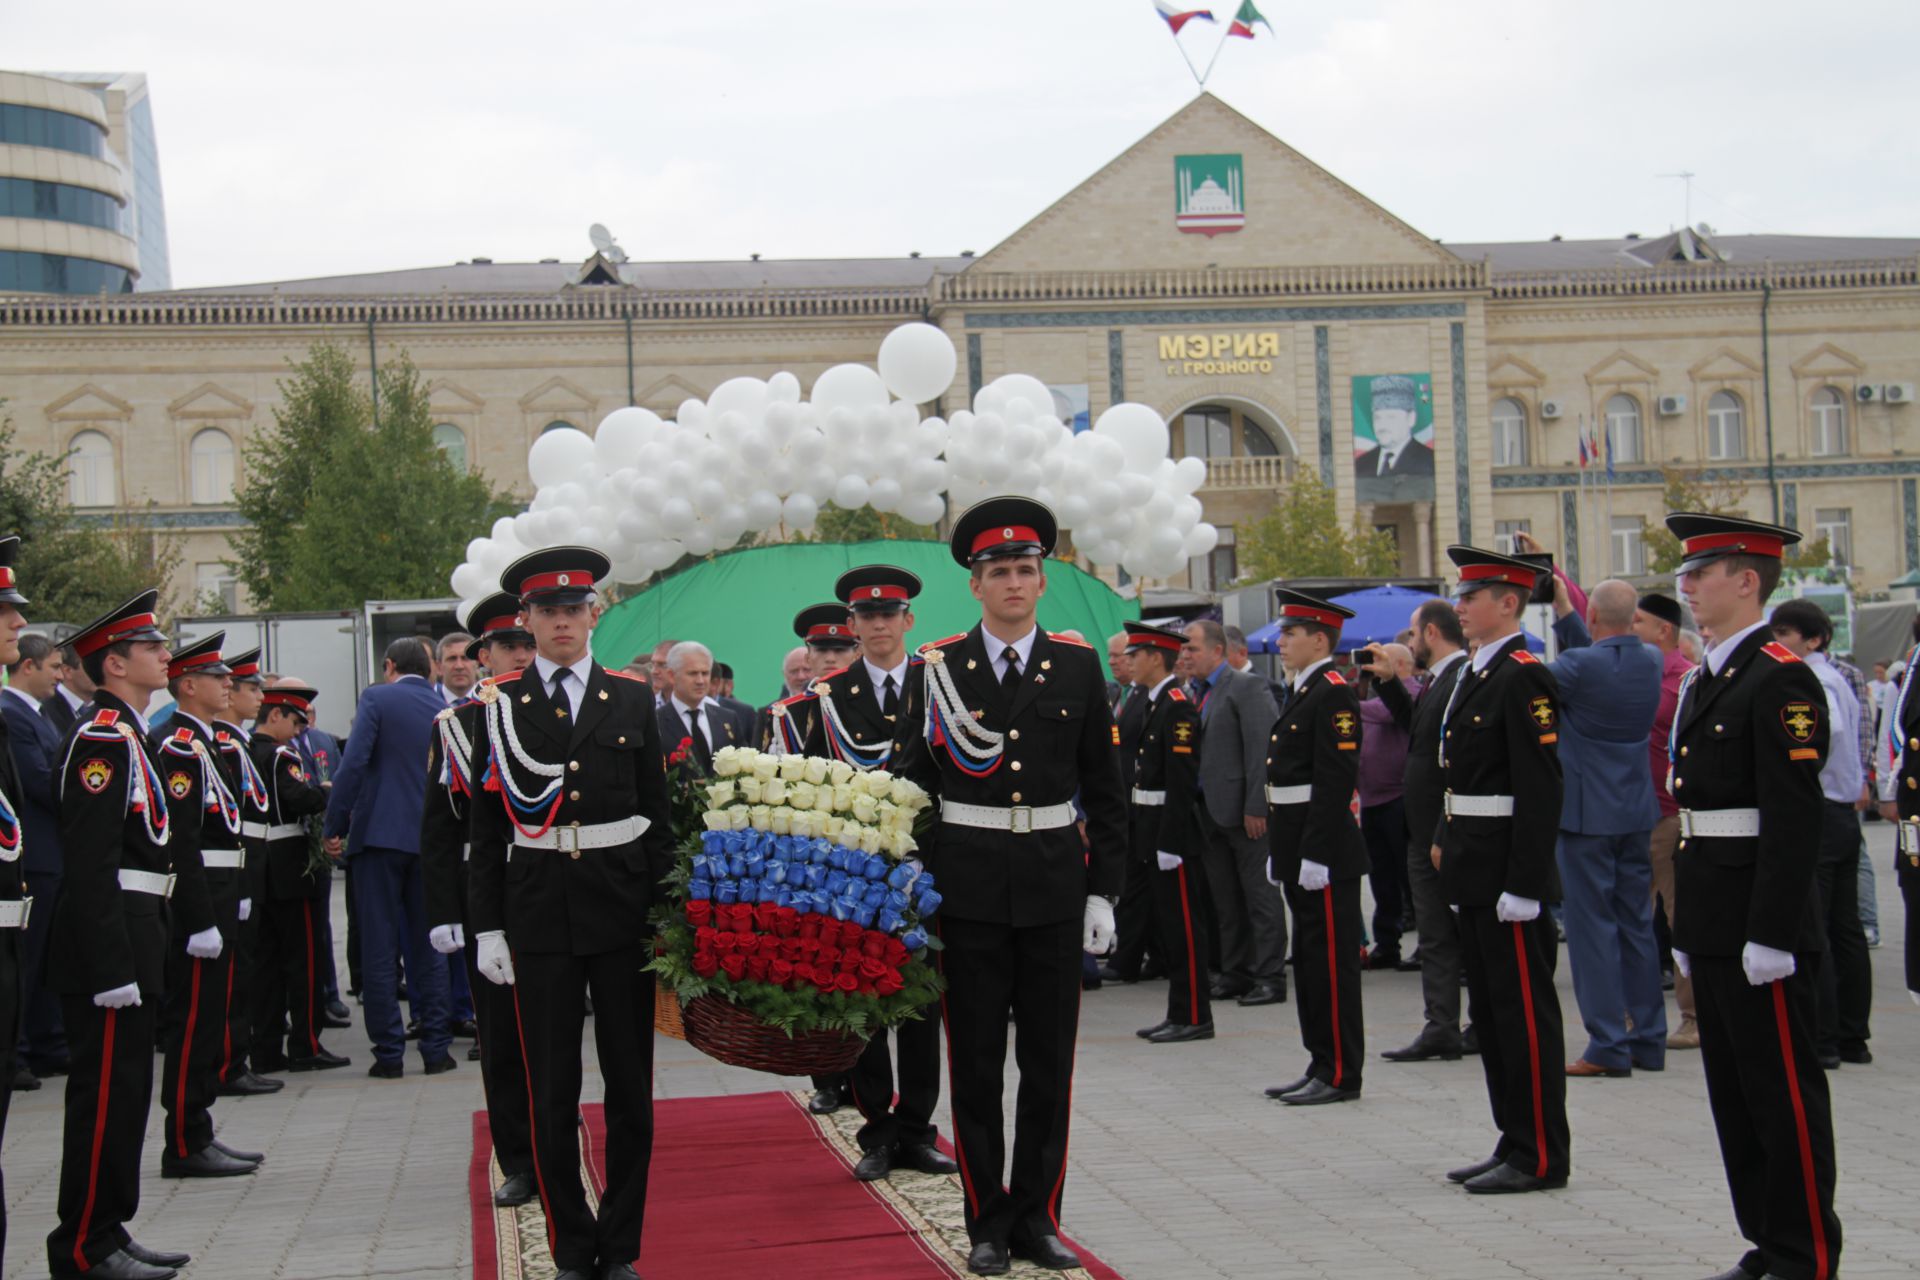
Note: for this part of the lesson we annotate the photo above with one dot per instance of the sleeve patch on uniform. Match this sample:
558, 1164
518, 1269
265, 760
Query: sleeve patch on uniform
1345, 723
1183, 731
1548, 739
179, 783
95, 774
1541, 709
1803, 753
1346, 746
1116, 735
1800, 719
1181, 751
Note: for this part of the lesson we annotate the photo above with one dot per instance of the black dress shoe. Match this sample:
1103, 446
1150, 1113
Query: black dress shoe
1377, 958
1319, 1093
1470, 1041
466, 1029
516, 1190
336, 1015
251, 1157
925, 1158
874, 1165
1858, 1055
1045, 1249
618, 1271
440, 1065
989, 1259
387, 1070
208, 1162
575, 1273
155, 1257
24, 1081
473, 1053
1110, 974
321, 1061
1504, 1179
1427, 1046
247, 1085
1409, 964
413, 1029
1147, 1033
1175, 1033
1090, 984
824, 1102
121, 1265
1469, 1172
1831, 1061
1265, 993
1282, 1090
1227, 989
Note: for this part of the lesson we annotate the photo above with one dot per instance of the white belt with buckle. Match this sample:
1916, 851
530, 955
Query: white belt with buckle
1725, 824
14, 913
1020, 819
600, 835
1149, 797
146, 882
261, 831
1909, 836
1301, 794
225, 859
1459, 806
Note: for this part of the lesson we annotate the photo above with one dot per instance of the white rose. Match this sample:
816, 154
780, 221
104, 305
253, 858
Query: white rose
801, 795
716, 820
839, 771
760, 817
738, 817
764, 767
842, 797
864, 811
901, 791
833, 828
816, 769
900, 820
782, 821
750, 790
900, 843
719, 793
726, 762
879, 785
774, 791
869, 840
793, 768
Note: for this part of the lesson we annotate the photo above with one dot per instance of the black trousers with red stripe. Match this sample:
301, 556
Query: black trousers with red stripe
242, 979
1180, 905
1326, 980
902, 1117
1770, 1105
1522, 1047
503, 1075
12, 943
288, 978
109, 1093
1034, 973
195, 1046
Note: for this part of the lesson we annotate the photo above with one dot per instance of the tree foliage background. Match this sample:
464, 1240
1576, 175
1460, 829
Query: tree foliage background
1719, 495
1303, 537
341, 508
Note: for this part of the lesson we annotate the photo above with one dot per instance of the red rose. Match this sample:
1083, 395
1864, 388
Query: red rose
735, 966
679, 755
757, 968
871, 969
897, 953
786, 921
766, 946
699, 912
742, 914
874, 944
802, 972
850, 961
723, 940
764, 914
810, 926
847, 982
888, 983
866, 986
780, 973
810, 947
703, 937
790, 949
706, 964
829, 954
825, 979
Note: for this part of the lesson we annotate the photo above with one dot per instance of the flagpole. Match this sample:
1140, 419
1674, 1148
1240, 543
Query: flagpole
1208, 73
1191, 69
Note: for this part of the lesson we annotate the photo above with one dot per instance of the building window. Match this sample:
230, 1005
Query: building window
1829, 423
1623, 430
452, 441
215, 589
558, 424
1217, 568
90, 478
1221, 431
1509, 433
210, 457
1726, 427
1629, 546
1835, 524
1504, 532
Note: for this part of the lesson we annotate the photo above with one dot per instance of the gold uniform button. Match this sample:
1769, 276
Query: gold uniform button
1912, 783
576, 855
1016, 797
1014, 734
573, 795
1476, 719
1016, 766
623, 739
1719, 728
1913, 744
1678, 783
1684, 751
573, 765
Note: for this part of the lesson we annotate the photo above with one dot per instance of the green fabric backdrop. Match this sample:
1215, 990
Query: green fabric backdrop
742, 605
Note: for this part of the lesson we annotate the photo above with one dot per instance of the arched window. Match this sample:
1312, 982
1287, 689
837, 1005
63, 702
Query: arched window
1509, 433
210, 461
558, 424
90, 478
1726, 427
1829, 410
1623, 430
1225, 431
452, 441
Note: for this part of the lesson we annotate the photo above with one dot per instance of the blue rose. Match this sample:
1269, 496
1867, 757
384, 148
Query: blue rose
901, 876
836, 881
914, 939
887, 919
876, 893
863, 915
699, 890
927, 902
726, 891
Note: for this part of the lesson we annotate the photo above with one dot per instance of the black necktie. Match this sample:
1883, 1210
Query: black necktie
702, 749
1011, 680
889, 698
560, 698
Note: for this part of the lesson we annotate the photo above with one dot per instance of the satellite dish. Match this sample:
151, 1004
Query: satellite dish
601, 237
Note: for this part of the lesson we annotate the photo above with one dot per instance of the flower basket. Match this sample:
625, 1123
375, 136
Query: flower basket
666, 1014
728, 1033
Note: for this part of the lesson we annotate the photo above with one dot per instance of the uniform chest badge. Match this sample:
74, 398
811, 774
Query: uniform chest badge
1183, 732
1343, 723
179, 784
1800, 720
295, 772
95, 774
1541, 709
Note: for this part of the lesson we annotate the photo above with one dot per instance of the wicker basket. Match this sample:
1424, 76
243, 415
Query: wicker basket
731, 1035
666, 1014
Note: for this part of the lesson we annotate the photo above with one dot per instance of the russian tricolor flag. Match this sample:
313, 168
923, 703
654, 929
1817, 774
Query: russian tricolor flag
1179, 15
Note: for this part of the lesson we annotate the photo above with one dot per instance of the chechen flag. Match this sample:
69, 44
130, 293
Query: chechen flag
1244, 19
1179, 15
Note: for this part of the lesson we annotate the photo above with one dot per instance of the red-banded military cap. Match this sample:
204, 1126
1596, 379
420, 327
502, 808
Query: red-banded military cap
1491, 569
824, 626
994, 528
1141, 635
297, 698
877, 588
246, 666
1705, 538
9, 580
201, 658
133, 620
1298, 606
494, 617
556, 575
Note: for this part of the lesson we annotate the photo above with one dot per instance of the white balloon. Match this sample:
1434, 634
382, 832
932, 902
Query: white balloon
849, 386
1105, 456
1202, 539
621, 435
477, 549
545, 499
523, 528
502, 529
1158, 509
924, 508
691, 414
468, 580
647, 493
747, 397
1073, 511
850, 493
700, 541
1135, 489
783, 388
562, 523
560, 455
884, 494
809, 446
917, 362
1139, 431
820, 481
676, 516
1020, 386
1186, 512
762, 509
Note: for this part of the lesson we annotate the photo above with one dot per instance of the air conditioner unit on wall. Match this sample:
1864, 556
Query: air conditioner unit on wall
1672, 406
1897, 393
1550, 409
1866, 393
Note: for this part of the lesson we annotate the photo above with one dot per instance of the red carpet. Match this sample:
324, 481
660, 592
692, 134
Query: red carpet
751, 1185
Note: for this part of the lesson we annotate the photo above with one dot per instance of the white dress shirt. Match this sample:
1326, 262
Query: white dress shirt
1717, 654
1487, 652
23, 698
1300, 681
695, 716
1153, 694
576, 685
997, 652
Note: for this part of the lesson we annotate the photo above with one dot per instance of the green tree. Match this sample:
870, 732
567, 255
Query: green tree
342, 509
864, 524
1715, 494
1302, 537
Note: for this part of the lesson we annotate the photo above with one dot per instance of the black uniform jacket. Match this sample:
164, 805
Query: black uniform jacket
1752, 737
104, 936
447, 815
1316, 743
1129, 725
1059, 744
790, 723
856, 704
233, 748
1502, 739
292, 795
1907, 783
609, 768
185, 756
13, 869
1165, 757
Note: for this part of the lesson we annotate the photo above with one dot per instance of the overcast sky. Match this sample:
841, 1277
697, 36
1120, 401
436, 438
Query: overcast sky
299, 141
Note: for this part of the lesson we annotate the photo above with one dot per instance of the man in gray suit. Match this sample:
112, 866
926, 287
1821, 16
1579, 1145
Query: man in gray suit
1237, 714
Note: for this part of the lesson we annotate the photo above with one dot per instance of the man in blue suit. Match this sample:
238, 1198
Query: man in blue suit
377, 799
1609, 691
31, 681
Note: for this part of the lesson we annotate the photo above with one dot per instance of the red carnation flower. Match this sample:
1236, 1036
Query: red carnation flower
680, 752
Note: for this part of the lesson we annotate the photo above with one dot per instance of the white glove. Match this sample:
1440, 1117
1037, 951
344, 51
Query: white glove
1512, 910
1168, 861
206, 944
246, 907
495, 962
1684, 963
1764, 964
119, 997
447, 938
1313, 875
1914, 996
1099, 925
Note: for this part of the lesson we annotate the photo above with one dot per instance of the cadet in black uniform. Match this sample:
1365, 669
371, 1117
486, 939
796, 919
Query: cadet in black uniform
1010, 742
233, 744
108, 951
861, 715
1317, 854
14, 902
1137, 947
1749, 738
503, 647
1163, 835
571, 838
293, 899
208, 857
1494, 847
1900, 803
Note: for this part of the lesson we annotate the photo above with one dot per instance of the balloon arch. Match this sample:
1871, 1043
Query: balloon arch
757, 455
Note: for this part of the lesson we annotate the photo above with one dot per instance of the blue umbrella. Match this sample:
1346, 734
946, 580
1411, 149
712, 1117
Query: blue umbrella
1380, 614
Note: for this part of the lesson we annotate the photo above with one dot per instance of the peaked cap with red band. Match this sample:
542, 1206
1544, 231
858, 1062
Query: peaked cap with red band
877, 588
1141, 635
201, 658
494, 617
133, 620
1705, 538
824, 626
1491, 569
9, 581
556, 575
994, 528
297, 698
246, 666
1298, 606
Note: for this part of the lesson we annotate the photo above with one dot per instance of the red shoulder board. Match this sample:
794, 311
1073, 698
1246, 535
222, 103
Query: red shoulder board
835, 675
808, 696
1778, 652
1055, 635
1522, 655
183, 735
1176, 695
1334, 677
503, 677
620, 673
105, 717
935, 644
222, 736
